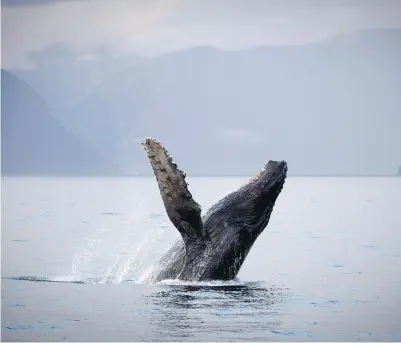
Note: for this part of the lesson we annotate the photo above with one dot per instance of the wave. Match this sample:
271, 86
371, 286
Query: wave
173, 282
215, 283
41, 279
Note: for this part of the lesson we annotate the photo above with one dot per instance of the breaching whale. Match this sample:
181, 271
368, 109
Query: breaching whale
213, 247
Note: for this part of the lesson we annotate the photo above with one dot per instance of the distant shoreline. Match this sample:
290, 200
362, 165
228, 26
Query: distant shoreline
196, 175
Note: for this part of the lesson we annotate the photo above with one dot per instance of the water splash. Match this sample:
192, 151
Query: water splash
111, 261
84, 257
147, 276
108, 277
130, 262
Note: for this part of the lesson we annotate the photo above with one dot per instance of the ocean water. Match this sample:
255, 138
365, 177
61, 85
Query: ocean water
74, 251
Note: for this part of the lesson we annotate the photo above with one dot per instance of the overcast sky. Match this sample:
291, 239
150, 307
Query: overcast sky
151, 27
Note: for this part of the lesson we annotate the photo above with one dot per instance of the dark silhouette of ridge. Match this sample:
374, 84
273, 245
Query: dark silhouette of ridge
34, 143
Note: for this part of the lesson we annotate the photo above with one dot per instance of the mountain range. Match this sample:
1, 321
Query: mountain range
34, 143
329, 107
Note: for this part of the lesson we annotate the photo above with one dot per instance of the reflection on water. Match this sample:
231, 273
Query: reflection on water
219, 311
199, 311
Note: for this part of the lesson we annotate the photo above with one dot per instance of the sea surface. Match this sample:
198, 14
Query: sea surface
74, 252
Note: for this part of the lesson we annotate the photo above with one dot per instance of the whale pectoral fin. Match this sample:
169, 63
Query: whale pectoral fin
183, 211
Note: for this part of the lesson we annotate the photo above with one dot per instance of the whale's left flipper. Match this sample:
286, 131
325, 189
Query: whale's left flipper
183, 211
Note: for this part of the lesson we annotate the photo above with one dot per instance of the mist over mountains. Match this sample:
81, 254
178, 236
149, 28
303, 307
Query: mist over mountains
331, 107
34, 143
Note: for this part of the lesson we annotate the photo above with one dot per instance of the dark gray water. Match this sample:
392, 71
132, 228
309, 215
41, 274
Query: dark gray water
74, 252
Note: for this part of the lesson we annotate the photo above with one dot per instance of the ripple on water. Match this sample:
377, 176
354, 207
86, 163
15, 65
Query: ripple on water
112, 214
19, 327
371, 246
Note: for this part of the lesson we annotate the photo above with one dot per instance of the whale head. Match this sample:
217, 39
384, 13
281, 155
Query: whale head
235, 222
254, 202
247, 210
257, 198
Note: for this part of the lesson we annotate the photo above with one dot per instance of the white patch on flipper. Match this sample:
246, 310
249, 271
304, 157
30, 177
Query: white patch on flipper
171, 180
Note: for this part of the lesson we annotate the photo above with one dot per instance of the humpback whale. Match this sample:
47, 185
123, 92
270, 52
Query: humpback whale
212, 247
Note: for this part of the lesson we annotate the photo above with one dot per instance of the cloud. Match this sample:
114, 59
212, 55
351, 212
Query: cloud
123, 25
151, 27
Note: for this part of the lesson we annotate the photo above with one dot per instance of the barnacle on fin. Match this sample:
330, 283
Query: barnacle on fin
254, 178
174, 190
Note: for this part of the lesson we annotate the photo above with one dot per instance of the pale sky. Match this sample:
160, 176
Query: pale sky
152, 27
